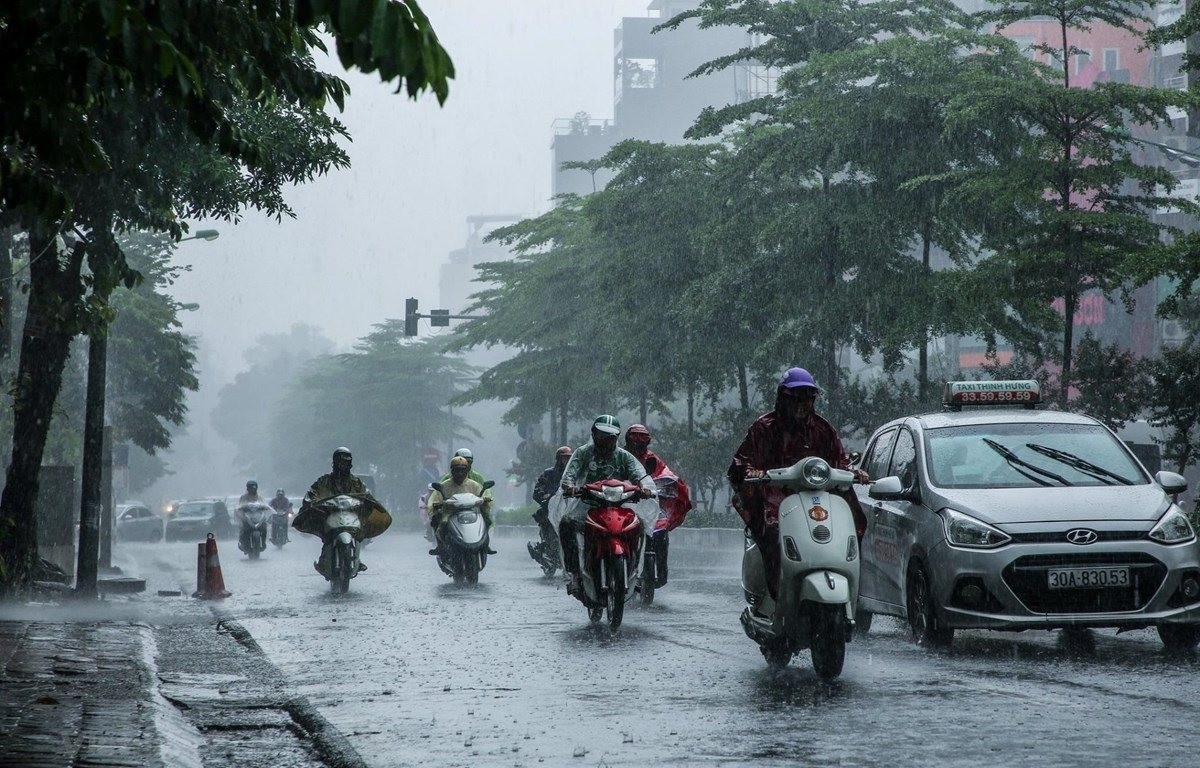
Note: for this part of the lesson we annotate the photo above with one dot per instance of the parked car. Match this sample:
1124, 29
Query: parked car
135, 522
196, 518
1013, 519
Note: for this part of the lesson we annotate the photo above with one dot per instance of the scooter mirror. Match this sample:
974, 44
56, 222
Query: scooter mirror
488, 484
437, 487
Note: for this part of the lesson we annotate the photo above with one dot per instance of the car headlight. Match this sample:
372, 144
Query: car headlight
1173, 528
965, 531
816, 472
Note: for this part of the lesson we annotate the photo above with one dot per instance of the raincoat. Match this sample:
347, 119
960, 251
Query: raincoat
584, 467
676, 503
769, 445
307, 520
450, 488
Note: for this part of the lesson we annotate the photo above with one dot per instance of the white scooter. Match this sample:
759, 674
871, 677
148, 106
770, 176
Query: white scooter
464, 551
819, 562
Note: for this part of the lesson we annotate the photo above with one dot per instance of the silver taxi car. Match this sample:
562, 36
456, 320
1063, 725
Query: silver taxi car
1010, 518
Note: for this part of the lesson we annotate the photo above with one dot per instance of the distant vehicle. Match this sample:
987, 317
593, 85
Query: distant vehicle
197, 518
296, 502
136, 522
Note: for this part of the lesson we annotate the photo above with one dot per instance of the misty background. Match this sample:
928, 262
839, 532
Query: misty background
367, 237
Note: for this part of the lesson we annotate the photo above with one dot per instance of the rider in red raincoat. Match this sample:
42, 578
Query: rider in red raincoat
674, 502
791, 432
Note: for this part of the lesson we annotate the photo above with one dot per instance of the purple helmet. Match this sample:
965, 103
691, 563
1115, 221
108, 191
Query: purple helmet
798, 377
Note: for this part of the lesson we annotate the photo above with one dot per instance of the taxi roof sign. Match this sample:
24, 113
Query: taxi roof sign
1025, 392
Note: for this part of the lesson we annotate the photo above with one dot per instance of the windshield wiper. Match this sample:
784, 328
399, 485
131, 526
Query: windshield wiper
1016, 462
1081, 464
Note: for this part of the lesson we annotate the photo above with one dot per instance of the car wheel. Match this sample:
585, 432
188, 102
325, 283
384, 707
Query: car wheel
924, 618
1179, 637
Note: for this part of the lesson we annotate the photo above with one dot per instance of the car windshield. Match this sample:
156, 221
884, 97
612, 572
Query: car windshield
1028, 455
193, 510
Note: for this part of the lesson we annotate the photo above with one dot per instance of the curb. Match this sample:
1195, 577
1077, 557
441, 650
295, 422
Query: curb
333, 748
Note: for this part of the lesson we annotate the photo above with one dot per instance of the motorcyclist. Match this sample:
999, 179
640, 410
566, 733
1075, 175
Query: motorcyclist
249, 497
674, 505
458, 482
334, 483
543, 490
780, 438
280, 503
282, 506
600, 459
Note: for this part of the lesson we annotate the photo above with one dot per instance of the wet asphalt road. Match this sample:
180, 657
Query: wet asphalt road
416, 671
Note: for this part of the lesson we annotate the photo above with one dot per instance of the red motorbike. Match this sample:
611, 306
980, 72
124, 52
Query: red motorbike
610, 552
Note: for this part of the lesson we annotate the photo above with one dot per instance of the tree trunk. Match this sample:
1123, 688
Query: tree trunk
51, 321
743, 388
923, 353
1070, 304
562, 429
691, 406
93, 450
7, 235
642, 410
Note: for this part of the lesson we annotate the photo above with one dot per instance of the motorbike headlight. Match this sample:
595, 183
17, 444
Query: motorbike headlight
613, 493
816, 472
1173, 528
965, 531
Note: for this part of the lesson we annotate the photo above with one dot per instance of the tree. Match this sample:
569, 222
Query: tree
91, 84
1175, 402
386, 401
1078, 207
244, 406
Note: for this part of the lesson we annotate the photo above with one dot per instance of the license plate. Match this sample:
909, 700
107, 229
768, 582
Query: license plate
1087, 578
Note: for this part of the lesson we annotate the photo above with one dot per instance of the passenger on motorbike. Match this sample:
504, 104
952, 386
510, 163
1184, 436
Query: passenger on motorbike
471, 473
790, 432
600, 459
674, 505
543, 490
458, 482
334, 483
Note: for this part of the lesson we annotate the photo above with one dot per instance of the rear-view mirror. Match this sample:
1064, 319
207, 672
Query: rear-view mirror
887, 489
488, 484
437, 487
1171, 482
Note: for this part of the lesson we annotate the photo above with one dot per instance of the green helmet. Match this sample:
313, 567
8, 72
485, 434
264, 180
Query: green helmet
607, 424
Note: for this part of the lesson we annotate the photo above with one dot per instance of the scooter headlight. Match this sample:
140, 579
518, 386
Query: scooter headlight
1173, 528
816, 472
614, 493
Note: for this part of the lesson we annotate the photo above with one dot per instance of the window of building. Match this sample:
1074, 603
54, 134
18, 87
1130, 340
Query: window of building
1112, 59
1081, 60
1025, 45
641, 73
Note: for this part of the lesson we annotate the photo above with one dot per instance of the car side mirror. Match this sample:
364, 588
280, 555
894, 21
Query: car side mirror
1171, 482
854, 457
488, 484
887, 489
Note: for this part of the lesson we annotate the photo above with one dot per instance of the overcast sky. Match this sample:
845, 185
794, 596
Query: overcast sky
365, 238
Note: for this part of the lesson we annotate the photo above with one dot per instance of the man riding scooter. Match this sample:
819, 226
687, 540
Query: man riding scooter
458, 482
790, 432
543, 490
600, 459
334, 483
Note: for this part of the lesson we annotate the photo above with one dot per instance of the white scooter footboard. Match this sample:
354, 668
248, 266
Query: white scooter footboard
825, 587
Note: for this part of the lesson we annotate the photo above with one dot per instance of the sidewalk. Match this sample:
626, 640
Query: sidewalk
149, 680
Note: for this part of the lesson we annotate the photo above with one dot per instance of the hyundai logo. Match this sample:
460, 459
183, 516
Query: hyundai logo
1082, 536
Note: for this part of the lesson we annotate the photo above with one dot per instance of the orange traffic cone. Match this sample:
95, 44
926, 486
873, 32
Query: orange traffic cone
214, 582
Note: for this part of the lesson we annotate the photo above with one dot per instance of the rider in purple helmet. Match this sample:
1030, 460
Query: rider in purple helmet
791, 432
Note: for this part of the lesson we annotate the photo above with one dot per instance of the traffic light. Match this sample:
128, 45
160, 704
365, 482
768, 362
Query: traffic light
410, 317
